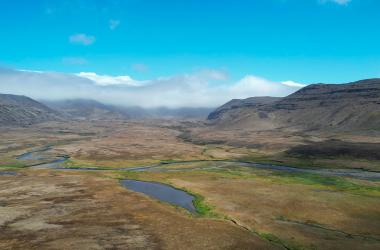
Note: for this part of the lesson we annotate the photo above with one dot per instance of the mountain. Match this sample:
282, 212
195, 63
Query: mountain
18, 110
94, 110
82, 109
350, 106
239, 113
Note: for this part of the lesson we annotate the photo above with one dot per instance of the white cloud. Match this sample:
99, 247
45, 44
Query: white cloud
113, 24
186, 90
293, 84
256, 86
104, 80
82, 39
340, 2
32, 71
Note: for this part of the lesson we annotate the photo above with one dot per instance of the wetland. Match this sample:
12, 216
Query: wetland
160, 191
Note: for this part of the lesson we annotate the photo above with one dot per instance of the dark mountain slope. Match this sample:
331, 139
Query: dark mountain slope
252, 102
18, 110
351, 106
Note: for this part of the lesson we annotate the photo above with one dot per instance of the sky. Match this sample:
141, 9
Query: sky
174, 53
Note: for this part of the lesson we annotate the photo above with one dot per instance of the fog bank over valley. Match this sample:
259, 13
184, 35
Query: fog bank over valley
204, 88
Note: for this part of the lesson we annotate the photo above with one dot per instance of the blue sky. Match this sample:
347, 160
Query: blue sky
304, 41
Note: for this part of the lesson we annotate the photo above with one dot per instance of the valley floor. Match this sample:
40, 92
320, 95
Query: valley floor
238, 207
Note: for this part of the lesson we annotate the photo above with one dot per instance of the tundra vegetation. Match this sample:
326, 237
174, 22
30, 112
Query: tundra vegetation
81, 202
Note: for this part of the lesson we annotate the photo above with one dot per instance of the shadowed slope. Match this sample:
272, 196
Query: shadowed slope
346, 107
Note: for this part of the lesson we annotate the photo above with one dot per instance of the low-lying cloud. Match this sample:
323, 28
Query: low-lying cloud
205, 88
106, 80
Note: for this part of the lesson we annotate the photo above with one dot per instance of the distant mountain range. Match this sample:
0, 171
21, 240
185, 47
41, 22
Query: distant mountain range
21, 111
82, 109
94, 110
351, 106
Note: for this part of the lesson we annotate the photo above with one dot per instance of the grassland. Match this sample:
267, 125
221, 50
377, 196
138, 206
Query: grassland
238, 207
257, 200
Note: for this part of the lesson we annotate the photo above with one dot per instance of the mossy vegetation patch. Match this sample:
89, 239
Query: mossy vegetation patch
337, 183
290, 245
5, 165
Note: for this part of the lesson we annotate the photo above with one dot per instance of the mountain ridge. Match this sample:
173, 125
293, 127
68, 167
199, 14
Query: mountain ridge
92, 109
349, 106
18, 110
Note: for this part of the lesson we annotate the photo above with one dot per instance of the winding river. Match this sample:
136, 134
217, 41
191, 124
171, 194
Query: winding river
56, 162
42, 159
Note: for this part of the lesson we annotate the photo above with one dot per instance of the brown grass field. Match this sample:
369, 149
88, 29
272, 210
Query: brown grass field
239, 207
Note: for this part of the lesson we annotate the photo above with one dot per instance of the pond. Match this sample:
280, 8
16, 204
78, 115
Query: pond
163, 193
